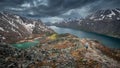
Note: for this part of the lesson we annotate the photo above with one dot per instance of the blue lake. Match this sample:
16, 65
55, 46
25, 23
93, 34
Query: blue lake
106, 40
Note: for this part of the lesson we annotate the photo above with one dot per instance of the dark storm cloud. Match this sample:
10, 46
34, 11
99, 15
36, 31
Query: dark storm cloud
42, 7
105, 4
60, 8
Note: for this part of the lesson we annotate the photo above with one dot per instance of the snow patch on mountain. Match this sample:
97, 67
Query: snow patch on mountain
1, 29
118, 18
29, 27
92, 17
117, 10
112, 14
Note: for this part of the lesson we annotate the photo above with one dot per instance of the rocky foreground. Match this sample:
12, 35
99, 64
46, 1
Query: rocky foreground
60, 51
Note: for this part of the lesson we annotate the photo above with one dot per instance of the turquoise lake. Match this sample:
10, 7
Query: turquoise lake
25, 45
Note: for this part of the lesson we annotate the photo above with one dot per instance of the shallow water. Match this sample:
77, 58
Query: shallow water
25, 45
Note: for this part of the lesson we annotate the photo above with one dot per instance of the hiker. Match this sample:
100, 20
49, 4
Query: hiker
86, 45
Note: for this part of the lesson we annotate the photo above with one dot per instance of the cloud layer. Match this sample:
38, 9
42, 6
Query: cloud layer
56, 9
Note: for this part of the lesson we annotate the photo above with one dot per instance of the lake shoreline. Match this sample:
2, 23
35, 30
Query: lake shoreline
116, 37
29, 40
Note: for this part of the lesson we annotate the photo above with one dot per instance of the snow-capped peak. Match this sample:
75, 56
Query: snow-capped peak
108, 14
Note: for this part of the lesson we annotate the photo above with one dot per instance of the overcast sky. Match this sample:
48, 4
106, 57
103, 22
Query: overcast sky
56, 10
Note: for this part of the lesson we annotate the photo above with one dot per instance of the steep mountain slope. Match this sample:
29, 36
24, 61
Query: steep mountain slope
14, 28
103, 21
109, 14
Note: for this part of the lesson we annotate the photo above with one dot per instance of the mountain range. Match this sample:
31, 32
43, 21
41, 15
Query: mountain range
14, 28
102, 21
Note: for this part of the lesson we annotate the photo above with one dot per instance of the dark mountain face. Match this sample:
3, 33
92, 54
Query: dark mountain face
103, 21
14, 28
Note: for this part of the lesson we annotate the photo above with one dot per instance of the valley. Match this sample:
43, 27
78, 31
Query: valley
59, 33
105, 22
28, 43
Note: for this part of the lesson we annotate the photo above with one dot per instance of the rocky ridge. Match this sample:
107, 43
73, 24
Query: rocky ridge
64, 51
